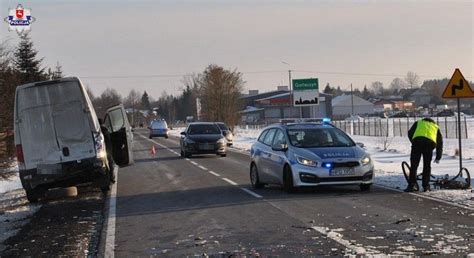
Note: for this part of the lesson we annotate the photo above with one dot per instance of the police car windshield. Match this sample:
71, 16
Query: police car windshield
319, 137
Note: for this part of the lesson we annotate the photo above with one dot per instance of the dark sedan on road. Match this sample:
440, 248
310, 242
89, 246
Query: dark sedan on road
202, 138
229, 136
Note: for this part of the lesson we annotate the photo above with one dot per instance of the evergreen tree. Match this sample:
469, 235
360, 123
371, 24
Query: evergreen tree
366, 93
58, 72
26, 61
146, 101
328, 89
338, 91
357, 92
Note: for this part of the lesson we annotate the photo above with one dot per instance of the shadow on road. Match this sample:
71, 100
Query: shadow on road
226, 196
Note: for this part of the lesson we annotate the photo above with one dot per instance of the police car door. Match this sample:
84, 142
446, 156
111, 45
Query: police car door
121, 135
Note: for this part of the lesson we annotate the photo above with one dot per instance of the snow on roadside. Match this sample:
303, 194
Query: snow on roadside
12, 182
388, 163
15, 210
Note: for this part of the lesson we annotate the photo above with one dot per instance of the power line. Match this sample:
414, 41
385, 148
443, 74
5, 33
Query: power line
260, 72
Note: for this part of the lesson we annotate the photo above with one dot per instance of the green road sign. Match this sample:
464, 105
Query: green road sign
305, 84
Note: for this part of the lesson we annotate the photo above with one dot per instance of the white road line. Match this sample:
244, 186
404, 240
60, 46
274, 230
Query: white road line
251, 192
214, 173
338, 238
428, 197
110, 233
229, 181
210, 171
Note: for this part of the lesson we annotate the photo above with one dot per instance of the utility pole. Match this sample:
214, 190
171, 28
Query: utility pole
289, 84
352, 101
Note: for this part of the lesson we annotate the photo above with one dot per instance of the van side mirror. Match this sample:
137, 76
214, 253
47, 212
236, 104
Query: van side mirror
360, 144
183, 133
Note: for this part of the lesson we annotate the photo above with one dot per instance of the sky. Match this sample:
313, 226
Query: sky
150, 45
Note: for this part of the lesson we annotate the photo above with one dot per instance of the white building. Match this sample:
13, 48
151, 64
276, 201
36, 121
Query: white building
342, 106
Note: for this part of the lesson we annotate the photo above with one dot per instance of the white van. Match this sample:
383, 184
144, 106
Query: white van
58, 137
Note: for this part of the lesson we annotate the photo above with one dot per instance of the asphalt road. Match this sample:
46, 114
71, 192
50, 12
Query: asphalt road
167, 205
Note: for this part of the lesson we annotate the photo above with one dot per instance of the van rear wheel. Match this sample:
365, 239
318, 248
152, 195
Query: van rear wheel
33, 195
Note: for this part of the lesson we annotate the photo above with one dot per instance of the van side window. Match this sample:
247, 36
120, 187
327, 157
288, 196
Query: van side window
269, 137
114, 121
262, 136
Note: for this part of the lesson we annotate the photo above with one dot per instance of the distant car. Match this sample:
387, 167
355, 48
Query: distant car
229, 136
309, 154
158, 128
399, 114
354, 118
202, 138
446, 112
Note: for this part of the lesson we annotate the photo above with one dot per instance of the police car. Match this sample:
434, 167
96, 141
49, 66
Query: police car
309, 154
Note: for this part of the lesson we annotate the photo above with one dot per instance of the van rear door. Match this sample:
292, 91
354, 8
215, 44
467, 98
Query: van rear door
121, 135
53, 123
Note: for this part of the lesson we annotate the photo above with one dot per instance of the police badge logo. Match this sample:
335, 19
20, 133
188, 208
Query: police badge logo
19, 19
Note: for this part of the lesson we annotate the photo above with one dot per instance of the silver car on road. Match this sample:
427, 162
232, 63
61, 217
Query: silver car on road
309, 154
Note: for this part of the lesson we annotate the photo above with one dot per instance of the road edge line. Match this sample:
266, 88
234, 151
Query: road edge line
110, 230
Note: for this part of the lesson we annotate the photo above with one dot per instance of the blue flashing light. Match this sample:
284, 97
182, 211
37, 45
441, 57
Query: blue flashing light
328, 165
326, 120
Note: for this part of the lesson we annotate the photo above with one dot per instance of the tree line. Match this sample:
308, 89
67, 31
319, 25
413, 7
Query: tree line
411, 81
19, 65
217, 90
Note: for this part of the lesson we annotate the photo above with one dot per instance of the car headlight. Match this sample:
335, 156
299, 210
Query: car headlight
365, 160
189, 141
221, 141
305, 161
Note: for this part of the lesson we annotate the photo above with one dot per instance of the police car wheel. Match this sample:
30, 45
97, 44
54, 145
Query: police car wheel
254, 179
288, 180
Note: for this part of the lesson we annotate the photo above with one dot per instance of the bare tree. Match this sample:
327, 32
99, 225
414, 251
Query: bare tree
220, 90
108, 98
412, 80
89, 92
397, 84
377, 88
131, 101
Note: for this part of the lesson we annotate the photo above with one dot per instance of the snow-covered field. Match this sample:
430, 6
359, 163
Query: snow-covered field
388, 163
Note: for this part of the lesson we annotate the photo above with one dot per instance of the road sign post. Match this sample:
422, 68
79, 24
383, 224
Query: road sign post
305, 93
458, 87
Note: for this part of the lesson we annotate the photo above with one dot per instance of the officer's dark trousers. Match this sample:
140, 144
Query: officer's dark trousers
421, 146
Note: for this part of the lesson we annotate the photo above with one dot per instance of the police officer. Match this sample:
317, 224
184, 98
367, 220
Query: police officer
424, 136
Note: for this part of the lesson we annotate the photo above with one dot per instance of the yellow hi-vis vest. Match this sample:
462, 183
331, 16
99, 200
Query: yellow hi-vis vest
426, 129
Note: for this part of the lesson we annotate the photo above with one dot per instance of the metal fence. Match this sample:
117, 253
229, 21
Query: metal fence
399, 126
374, 126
